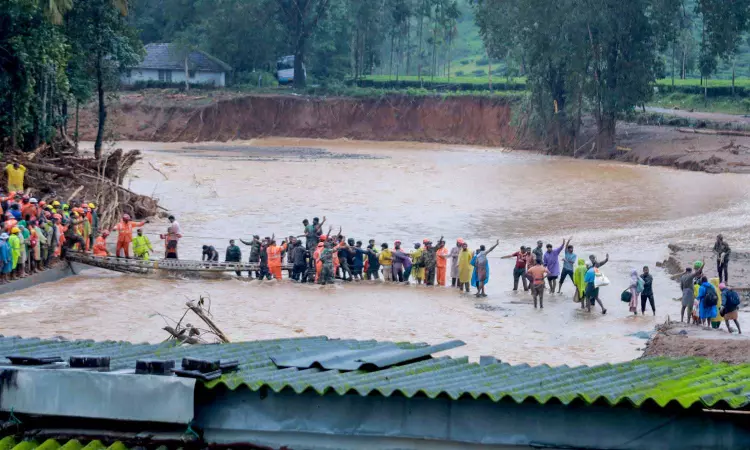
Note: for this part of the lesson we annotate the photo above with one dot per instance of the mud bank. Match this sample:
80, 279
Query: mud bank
453, 120
677, 340
483, 121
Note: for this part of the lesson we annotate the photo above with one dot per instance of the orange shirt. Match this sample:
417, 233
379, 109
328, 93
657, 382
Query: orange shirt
100, 247
538, 273
442, 256
125, 230
28, 210
274, 254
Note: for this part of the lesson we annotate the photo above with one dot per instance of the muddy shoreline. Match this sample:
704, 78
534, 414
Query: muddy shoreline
482, 121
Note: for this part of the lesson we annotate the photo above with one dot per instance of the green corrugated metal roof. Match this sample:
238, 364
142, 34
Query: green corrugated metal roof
11, 443
688, 382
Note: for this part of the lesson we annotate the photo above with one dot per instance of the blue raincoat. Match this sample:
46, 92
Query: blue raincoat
6, 263
474, 278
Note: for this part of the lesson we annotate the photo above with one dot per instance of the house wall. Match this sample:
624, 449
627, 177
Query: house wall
217, 79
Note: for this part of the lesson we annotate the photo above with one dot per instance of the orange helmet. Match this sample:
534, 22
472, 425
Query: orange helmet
323, 238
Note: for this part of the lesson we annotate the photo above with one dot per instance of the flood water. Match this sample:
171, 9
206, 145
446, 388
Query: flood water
405, 191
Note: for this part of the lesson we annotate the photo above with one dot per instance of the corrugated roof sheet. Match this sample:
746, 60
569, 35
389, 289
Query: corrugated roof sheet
11, 443
168, 56
377, 357
688, 382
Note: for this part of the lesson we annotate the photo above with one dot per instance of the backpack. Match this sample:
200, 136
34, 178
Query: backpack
710, 299
733, 300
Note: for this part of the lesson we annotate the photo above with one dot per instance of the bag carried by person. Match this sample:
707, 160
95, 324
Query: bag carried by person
732, 301
626, 296
639, 288
600, 279
710, 299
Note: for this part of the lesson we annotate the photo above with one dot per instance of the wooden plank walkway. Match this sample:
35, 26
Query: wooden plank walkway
140, 266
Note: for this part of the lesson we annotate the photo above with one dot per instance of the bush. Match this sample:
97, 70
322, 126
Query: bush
267, 79
479, 73
483, 61
460, 73
154, 84
465, 62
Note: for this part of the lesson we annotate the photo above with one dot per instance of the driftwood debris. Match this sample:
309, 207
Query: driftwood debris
190, 334
60, 172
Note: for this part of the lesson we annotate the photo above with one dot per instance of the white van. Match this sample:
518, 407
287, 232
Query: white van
285, 70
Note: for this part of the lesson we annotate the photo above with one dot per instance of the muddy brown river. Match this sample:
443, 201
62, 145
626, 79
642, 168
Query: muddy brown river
405, 191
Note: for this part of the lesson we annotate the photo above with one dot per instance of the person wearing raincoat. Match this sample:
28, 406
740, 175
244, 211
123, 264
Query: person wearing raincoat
464, 267
481, 274
579, 276
142, 246
417, 262
15, 250
442, 264
6, 259
455, 251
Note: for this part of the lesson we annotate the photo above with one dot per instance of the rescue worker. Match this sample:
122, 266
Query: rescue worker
274, 258
326, 259
94, 223
385, 258
233, 255
430, 260
441, 265
100, 244
125, 234
254, 254
142, 246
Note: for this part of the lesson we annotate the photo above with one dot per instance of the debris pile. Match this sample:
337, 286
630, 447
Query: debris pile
59, 171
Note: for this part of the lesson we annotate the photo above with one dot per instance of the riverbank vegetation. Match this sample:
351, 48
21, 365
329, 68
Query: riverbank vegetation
600, 57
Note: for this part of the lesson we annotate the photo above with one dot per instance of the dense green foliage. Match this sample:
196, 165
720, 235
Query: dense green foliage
602, 56
336, 38
53, 52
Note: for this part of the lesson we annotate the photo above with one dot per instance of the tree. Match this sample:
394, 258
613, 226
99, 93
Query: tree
301, 19
724, 22
102, 44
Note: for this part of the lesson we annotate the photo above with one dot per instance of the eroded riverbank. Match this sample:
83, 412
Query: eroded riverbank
406, 191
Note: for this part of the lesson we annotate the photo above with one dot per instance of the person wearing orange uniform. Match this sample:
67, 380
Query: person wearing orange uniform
442, 264
125, 234
274, 258
100, 245
316, 258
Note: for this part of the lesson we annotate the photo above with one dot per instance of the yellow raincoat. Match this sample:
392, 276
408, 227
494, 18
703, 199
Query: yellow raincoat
142, 247
579, 276
417, 272
465, 268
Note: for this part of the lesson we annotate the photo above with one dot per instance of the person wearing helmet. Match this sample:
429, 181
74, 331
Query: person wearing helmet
430, 260
125, 234
100, 244
142, 246
29, 208
94, 222
15, 251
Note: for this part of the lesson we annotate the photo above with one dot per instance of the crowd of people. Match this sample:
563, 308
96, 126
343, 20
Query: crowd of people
33, 233
707, 301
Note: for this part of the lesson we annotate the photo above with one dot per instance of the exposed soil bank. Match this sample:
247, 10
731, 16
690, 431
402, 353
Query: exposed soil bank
453, 120
487, 121
678, 340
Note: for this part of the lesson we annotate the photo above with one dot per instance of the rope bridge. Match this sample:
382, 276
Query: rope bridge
140, 266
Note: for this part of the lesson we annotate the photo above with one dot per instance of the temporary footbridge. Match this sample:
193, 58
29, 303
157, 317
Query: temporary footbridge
140, 266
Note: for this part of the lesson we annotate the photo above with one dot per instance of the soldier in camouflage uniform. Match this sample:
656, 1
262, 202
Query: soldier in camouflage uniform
326, 256
254, 253
429, 256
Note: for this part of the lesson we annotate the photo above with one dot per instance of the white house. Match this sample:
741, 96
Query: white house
166, 63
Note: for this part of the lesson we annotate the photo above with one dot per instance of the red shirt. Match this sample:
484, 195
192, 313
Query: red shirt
520, 260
